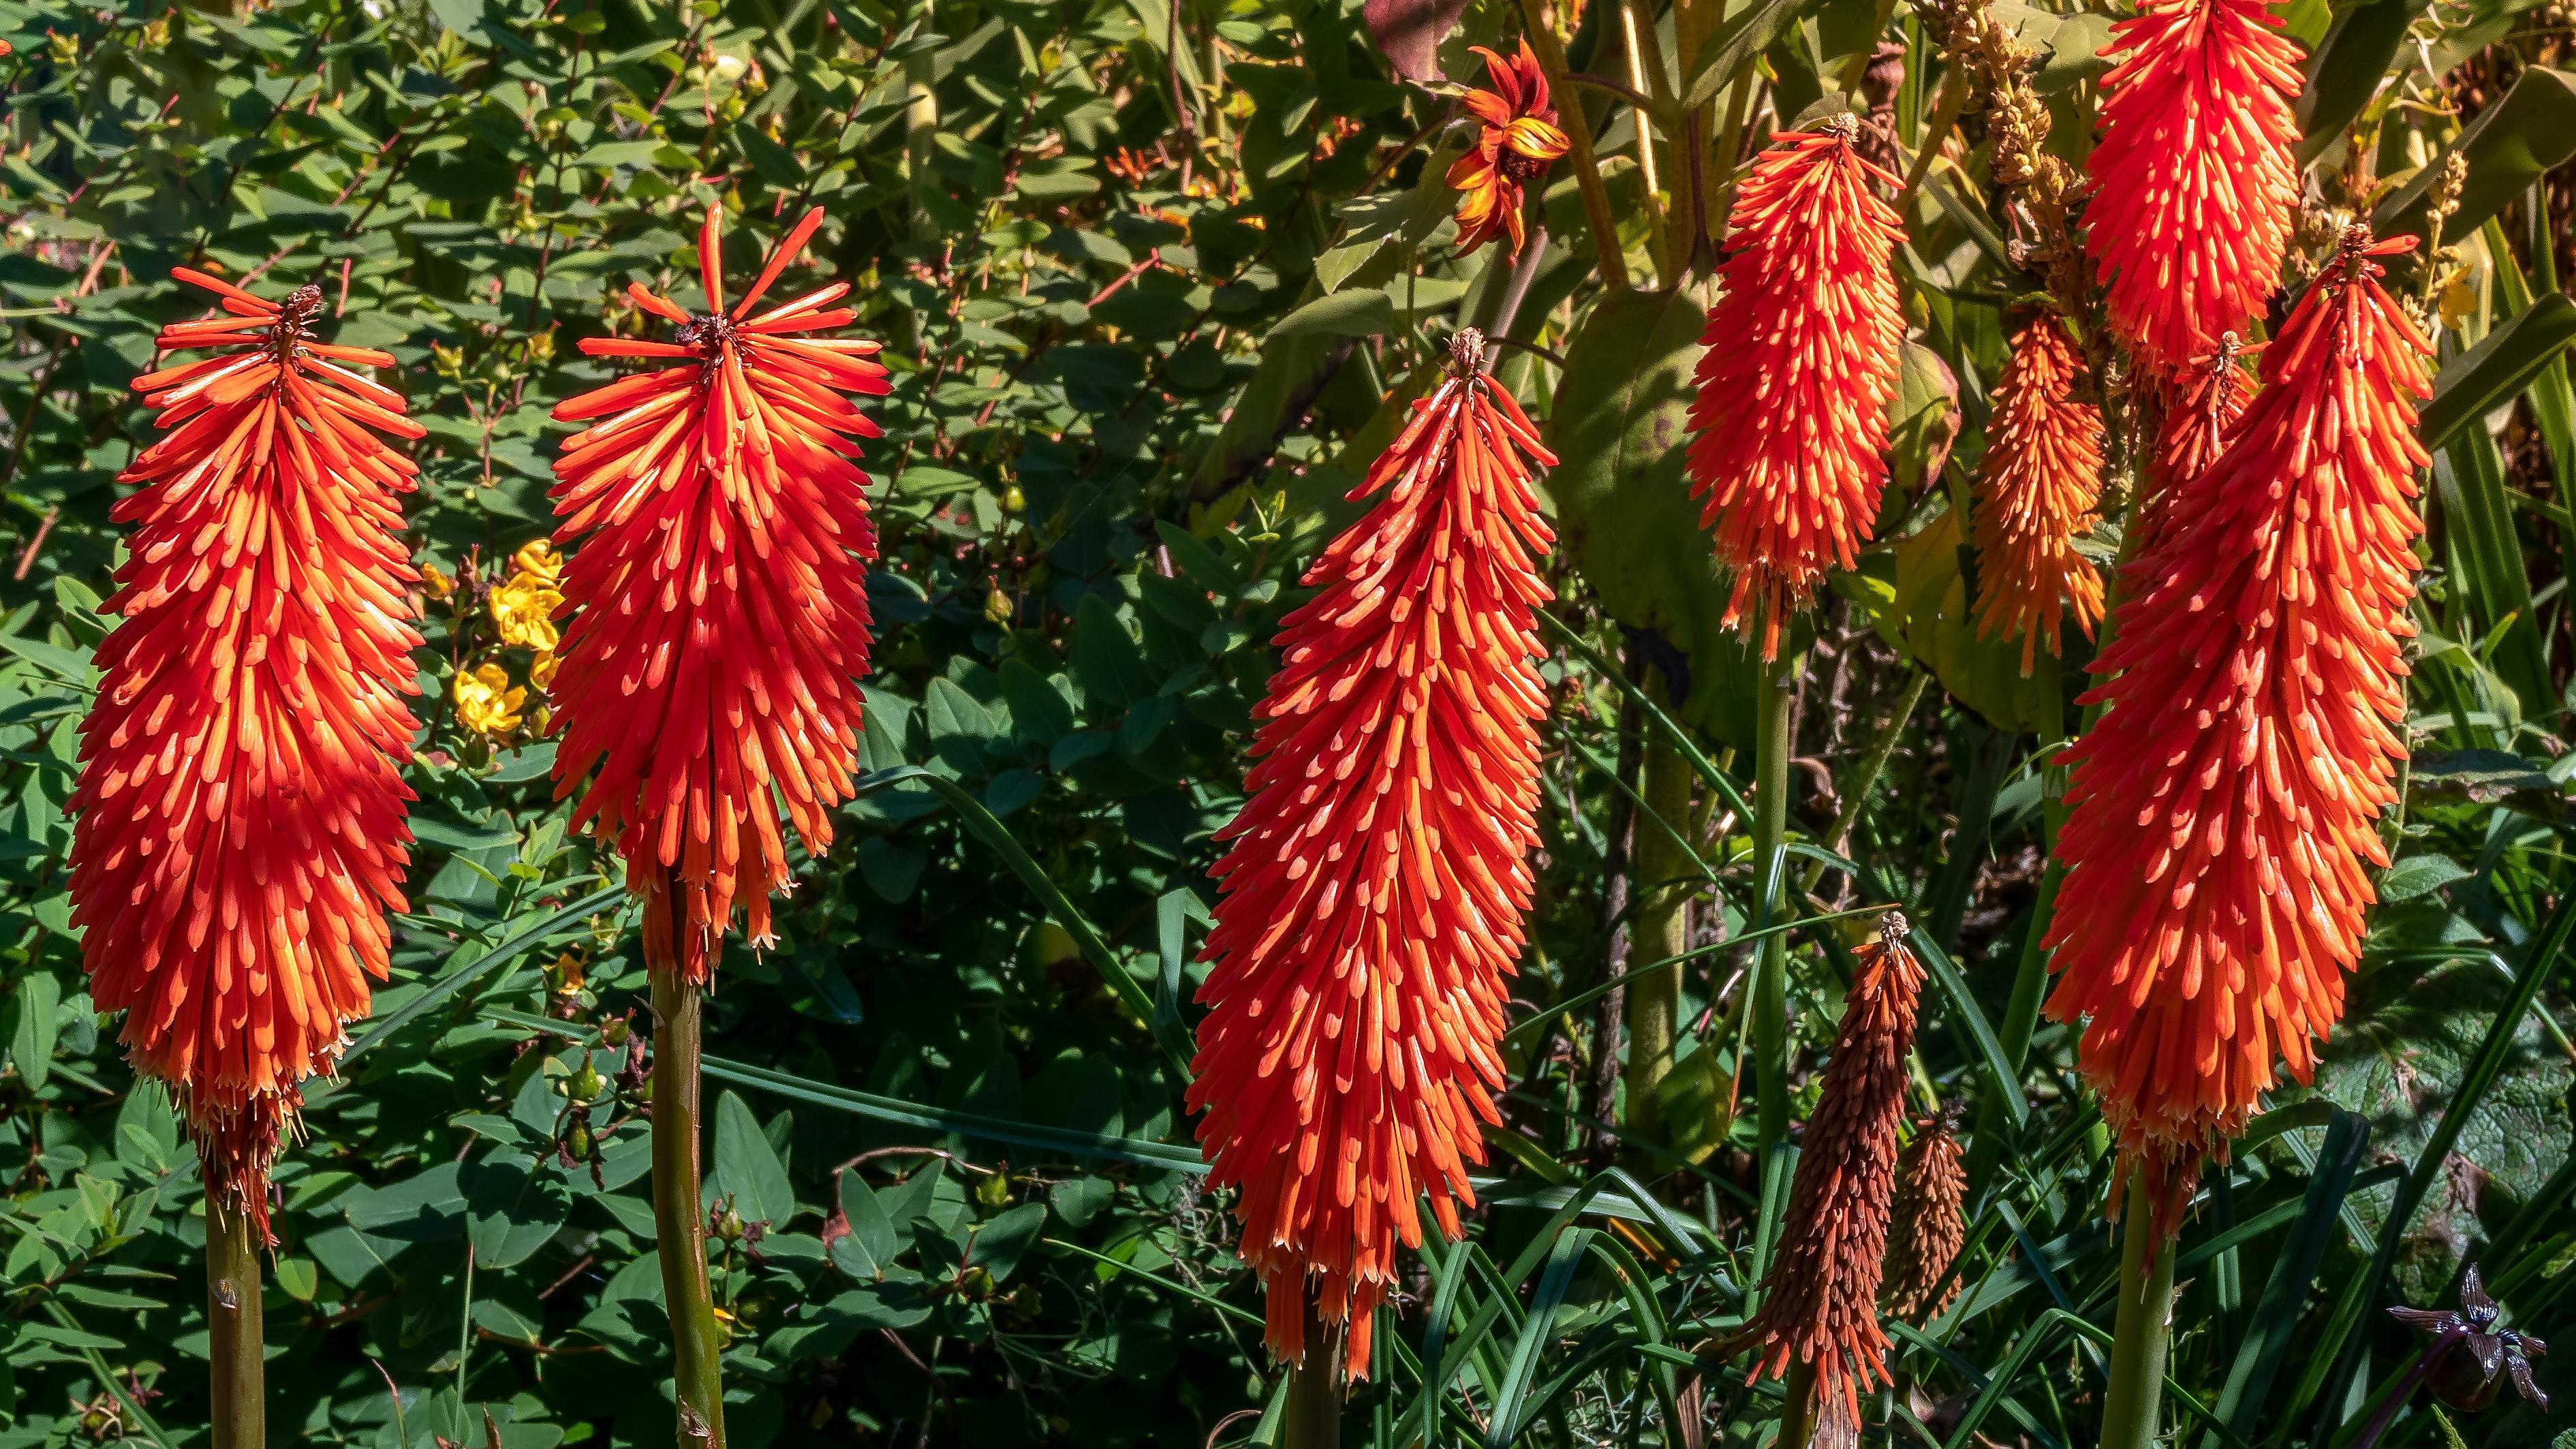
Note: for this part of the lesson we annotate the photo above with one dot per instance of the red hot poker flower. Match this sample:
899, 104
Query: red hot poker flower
1820, 1299
1374, 891
1516, 141
2201, 408
2223, 812
719, 614
2195, 184
241, 801
2035, 492
1790, 422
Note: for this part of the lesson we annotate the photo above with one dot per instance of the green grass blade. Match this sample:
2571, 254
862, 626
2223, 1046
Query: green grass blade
2275, 1319
1511, 1412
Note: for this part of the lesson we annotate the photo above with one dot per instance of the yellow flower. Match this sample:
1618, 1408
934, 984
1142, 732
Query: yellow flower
523, 611
436, 582
542, 672
539, 560
486, 702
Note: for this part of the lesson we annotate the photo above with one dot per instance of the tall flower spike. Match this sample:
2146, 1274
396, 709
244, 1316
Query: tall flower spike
718, 604
2201, 407
2035, 492
1516, 141
1927, 1231
1791, 429
2195, 184
1820, 1299
1374, 889
241, 801
2222, 820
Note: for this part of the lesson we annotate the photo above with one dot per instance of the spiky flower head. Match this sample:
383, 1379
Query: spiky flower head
241, 801
2195, 182
717, 600
1927, 1231
2223, 812
2201, 406
2035, 492
1790, 425
1517, 139
1375, 884
1820, 1299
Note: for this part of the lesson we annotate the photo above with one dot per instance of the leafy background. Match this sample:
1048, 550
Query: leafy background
1156, 281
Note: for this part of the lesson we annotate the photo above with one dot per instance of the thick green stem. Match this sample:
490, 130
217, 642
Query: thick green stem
1661, 932
1772, 746
679, 1225
233, 1336
2143, 1332
1797, 1406
1313, 1419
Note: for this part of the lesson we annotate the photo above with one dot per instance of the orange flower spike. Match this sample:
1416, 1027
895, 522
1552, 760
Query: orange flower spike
2035, 492
1516, 141
2223, 812
1820, 1299
2195, 183
1790, 445
718, 605
2201, 408
1374, 890
241, 806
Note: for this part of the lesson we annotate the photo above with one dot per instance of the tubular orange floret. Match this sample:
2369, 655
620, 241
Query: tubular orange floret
1516, 141
241, 804
1820, 1299
2201, 406
1790, 445
2195, 184
2223, 812
1374, 889
717, 604
2035, 492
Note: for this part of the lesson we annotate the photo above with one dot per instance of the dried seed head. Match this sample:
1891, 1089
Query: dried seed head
1927, 1231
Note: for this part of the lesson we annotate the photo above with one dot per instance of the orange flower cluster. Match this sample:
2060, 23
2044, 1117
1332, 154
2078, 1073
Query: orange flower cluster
1927, 1230
2201, 407
1790, 421
719, 613
2223, 811
2035, 492
1516, 141
1374, 889
1820, 1299
241, 805
2195, 184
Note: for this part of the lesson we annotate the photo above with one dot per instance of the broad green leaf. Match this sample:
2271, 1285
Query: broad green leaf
1352, 313
2346, 69
31, 1031
2490, 374
1739, 40
1932, 613
2511, 144
2420, 875
747, 1168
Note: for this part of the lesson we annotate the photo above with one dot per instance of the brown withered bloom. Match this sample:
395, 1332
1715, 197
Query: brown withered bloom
1820, 1299
1928, 1228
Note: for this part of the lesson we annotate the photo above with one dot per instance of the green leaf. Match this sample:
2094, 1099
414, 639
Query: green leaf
747, 1167
2496, 370
2420, 875
460, 16
2511, 144
1000, 1243
1931, 611
2345, 70
32, 1009
1351, 313
1738, 41
71, 664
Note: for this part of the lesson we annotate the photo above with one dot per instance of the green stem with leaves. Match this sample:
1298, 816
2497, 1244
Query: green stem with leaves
679, 1223
1773, 743
2142, 1335
234, 1338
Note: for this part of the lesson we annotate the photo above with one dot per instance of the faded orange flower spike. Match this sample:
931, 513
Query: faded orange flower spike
2201, 407
241, 804
1927, 1230
2035, 492
1820, 1299
718, 604
1790, 445
1373, 893
2223, 811
2195, 183
1516, 141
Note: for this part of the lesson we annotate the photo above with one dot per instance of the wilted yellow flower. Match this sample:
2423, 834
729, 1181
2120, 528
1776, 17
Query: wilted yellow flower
486, 702
538, 559
542, 672
436, 582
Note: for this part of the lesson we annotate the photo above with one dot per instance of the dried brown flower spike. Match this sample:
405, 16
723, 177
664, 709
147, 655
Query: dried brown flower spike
1928, 1228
